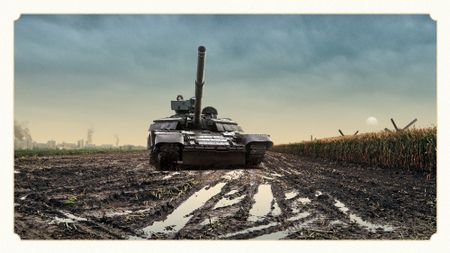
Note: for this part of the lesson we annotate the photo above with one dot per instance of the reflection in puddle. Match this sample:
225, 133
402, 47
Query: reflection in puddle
365, 224
341, 206
282, 234
120, 213
276, 209
337, 222
70, 218
248, 230
273, 236
170, 175
142, 210
231, 192
125, 212
263, 201
234, 174
132, 237
276, 175
58, 220
298, 203
290, 195
228, 202
180, 216
209, 221
299, 216
304, 201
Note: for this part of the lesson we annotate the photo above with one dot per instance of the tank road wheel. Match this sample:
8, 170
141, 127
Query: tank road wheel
167, 156
255, 153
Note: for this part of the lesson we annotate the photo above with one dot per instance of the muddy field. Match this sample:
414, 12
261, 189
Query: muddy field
121, 196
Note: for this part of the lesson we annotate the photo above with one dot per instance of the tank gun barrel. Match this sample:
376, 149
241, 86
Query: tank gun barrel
199, 85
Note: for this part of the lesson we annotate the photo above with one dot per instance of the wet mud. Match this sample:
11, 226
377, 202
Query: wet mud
121, 196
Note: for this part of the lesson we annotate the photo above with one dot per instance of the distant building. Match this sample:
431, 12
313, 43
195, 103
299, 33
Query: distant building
80, 143
40, 145
66, 145
51, 144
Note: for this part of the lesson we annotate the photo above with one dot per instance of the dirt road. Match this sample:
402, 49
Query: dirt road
120, 196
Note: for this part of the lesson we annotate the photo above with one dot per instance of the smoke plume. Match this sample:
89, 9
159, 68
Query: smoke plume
22, 136
90, 132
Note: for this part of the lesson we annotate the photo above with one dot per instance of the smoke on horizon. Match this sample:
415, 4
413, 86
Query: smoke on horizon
22, 136
90, 132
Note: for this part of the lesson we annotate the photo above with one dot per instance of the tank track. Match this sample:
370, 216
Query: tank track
166, 156
255, 154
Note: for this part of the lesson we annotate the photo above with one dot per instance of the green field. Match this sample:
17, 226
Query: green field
413, 149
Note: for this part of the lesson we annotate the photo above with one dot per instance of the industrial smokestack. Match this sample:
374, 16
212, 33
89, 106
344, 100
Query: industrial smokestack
90, 132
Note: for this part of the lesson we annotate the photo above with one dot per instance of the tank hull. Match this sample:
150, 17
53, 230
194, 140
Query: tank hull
212, 158
170, 149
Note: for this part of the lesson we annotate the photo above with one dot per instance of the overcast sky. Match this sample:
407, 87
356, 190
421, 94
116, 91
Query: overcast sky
290, 76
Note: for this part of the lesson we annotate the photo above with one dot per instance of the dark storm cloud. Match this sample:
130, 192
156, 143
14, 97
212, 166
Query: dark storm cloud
246, 48
99, 44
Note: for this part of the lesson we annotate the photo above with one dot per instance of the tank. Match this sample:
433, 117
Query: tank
198, 137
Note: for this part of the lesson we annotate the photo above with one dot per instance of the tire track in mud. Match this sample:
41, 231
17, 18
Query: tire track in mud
265, 183
286, 197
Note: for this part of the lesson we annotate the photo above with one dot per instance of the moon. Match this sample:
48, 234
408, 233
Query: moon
371, 121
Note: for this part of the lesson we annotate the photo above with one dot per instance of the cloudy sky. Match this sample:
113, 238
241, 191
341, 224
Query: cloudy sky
290, 76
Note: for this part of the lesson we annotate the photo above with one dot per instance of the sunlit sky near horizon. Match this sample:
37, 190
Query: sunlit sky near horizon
290, 76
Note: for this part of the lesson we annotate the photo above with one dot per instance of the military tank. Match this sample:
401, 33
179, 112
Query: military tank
196, 137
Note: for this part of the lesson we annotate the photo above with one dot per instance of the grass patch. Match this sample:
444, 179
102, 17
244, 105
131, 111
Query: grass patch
71, 200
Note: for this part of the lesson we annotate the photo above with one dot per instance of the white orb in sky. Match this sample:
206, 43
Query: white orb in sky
371, 121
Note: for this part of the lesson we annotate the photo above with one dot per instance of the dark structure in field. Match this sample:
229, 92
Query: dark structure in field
198, 137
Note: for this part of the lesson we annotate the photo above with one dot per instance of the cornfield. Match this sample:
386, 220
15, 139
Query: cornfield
413, 149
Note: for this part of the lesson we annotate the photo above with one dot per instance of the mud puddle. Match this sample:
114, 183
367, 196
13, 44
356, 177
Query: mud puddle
170, 175
249, 230
119, 195
233, 175
276, 211
228, 201
285, 233
181, 215
358, 220
263, 201
290, 195
299, 216
69, 218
